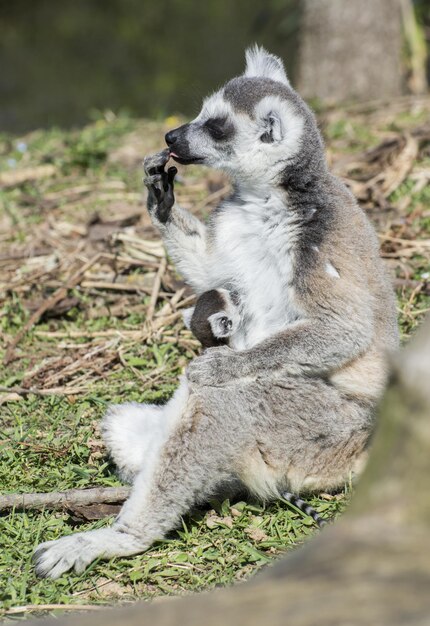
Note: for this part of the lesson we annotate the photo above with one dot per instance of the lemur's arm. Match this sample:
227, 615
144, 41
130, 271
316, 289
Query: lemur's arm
183, 234
313, 346
185, 239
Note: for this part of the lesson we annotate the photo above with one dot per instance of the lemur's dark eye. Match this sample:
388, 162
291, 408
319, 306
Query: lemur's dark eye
218, 128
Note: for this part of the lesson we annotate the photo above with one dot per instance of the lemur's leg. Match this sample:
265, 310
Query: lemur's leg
297, 432
134, 433
183, 234
195, 461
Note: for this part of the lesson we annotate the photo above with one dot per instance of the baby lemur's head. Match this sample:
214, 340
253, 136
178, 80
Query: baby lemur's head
214, 318
256, 127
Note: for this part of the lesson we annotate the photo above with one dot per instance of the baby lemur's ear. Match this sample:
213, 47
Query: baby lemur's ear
187, 314
262, 64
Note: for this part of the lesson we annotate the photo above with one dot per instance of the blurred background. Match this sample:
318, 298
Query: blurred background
61, 61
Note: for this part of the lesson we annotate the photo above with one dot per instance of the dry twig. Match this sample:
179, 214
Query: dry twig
64, 499
45, 306
156, 289
26, 608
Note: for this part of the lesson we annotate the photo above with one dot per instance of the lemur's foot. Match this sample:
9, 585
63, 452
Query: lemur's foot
54, 558
160, 185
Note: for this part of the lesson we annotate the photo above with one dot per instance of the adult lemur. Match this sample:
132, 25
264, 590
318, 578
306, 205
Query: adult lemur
291, 406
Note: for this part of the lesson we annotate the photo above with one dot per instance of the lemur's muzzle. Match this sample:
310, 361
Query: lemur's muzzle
173, 135
179, 146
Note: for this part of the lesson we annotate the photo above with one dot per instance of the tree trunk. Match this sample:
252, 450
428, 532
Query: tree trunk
370, 568
351, 49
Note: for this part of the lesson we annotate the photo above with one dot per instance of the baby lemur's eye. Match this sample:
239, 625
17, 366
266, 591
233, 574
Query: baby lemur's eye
218, 128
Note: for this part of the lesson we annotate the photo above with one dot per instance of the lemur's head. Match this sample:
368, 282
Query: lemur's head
254, 126
214, 318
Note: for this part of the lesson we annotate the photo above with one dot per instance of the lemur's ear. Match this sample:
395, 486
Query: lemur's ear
187, 314
273, 129
261, 63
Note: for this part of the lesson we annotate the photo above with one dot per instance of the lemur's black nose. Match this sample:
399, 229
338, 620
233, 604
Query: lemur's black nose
172, 136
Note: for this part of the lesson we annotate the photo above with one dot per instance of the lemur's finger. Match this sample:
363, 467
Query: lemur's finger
152, 180
171, 173
154, 163
169, 196
154, 194
156, 191
168, 178
153, 199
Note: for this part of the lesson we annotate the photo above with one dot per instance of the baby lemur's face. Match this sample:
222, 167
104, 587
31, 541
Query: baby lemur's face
255, 126
214, 319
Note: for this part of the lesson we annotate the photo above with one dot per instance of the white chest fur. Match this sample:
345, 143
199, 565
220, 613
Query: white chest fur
253, 252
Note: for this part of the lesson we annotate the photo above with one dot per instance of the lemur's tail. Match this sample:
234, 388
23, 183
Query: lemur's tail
305, 507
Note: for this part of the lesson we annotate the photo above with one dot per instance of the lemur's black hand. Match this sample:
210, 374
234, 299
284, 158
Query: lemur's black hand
160, 185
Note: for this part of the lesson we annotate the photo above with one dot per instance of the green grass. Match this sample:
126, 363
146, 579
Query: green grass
215, 547
50, 444
53, 443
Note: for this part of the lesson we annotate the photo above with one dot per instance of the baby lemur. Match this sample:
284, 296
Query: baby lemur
290, 402
214, 318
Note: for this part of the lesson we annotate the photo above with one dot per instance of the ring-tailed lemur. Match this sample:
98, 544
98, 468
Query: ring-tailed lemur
214, 319
292, 405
